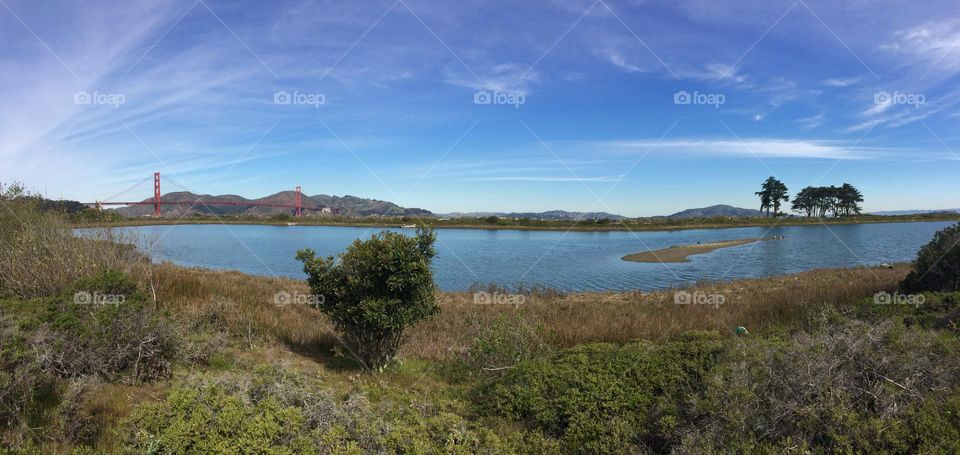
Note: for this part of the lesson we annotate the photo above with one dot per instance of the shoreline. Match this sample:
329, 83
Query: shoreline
558, 228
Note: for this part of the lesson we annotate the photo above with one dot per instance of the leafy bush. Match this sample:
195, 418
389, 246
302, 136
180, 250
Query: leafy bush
379, 288
937, 267
279, 412
125, 341
603, 398
855, 388
22, 382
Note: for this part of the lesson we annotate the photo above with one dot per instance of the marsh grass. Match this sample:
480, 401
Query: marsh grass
40, 255
781, 303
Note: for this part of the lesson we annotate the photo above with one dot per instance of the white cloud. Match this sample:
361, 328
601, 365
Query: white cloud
835, 82
504, 77
537, 178
622, 63
812, 121
747, 148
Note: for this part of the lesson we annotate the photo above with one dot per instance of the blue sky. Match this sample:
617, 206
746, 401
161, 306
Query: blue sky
632, 107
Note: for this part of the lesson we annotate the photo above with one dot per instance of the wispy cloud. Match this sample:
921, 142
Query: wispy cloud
538, 178
504, 77
746, 148
838, 82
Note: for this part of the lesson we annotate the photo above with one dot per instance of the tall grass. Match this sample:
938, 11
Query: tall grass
39, 255
766, 304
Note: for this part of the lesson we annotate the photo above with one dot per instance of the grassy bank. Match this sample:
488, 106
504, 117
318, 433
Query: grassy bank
200, 361
637, 224
252, 368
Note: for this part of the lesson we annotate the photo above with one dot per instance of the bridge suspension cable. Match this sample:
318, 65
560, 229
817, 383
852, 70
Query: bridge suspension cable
126, 190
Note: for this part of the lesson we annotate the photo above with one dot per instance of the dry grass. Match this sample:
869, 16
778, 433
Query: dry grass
39, 255
238, 299
758, 304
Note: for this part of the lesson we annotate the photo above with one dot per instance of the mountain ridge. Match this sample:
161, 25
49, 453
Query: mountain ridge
716, 210
346, 205
545, 215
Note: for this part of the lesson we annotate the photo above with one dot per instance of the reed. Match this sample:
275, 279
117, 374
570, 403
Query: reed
766, 304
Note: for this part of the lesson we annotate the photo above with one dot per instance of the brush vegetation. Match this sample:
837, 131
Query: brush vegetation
200, 361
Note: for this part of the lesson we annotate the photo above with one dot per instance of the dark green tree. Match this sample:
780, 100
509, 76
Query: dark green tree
937, 267
849, 199
376, 290
805, 202
772, 193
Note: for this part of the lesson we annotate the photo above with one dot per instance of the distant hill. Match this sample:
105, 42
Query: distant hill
913, 212
347, 205
717, 210
548, 215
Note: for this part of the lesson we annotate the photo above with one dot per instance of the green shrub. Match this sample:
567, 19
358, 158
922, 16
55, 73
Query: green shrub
121, 340
22, 383
603, 398
937, 267
280, 412
854, 388
377, 289
210, 421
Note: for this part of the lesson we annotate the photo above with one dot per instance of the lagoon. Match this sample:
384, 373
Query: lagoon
569, 261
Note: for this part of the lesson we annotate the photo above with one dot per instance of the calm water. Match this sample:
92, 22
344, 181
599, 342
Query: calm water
568, 261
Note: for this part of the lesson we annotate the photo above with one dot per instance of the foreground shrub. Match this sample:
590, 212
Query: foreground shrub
937, 267
22, 384
377, 289
855, 388
125, 341
278, 412
603, 398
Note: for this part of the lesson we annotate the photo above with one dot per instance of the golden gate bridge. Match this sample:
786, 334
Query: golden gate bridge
157, 202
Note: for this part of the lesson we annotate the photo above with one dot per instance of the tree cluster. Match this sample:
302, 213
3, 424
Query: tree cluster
819, 201
811, 201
